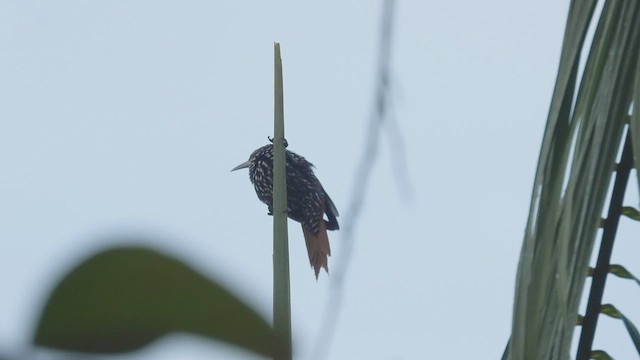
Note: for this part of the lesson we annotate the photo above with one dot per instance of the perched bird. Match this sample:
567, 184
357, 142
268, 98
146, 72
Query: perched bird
307, 202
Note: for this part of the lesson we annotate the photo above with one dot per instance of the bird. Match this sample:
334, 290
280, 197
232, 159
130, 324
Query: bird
307, 201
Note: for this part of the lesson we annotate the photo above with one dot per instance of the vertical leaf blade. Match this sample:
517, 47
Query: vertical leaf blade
281, 286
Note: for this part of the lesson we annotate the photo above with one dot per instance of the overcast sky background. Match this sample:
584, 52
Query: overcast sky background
122, 119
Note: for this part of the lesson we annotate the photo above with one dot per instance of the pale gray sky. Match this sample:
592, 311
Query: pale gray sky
120, 118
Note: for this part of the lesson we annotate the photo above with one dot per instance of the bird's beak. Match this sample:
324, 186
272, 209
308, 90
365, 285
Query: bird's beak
241, 166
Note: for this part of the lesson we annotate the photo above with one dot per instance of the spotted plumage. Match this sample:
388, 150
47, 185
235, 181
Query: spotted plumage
307, 201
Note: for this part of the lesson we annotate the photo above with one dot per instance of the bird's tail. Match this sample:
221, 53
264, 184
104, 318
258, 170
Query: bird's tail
318, 248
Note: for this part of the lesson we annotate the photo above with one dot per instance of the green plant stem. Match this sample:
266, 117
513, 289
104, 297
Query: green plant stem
281, 287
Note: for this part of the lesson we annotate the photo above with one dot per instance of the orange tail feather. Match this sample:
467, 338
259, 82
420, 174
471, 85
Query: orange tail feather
318, 248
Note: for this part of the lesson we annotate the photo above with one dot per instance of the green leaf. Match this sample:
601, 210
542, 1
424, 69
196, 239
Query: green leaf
124, 298
631, 212
633, 332
621, 271
534, 314
634, 121
577, 158
611, 310
600, 355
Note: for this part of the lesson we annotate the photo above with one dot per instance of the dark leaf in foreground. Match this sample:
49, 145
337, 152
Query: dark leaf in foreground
125, 298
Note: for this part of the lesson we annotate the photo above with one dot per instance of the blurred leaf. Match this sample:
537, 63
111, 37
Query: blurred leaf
124, 298
621, 271
631, 212
600, 355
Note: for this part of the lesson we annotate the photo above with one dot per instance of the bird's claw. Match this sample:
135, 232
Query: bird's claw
270, 213
284, 141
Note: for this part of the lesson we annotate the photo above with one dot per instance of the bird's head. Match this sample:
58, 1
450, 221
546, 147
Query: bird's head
263, 152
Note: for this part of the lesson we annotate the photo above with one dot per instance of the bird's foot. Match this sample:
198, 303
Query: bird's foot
284, 141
